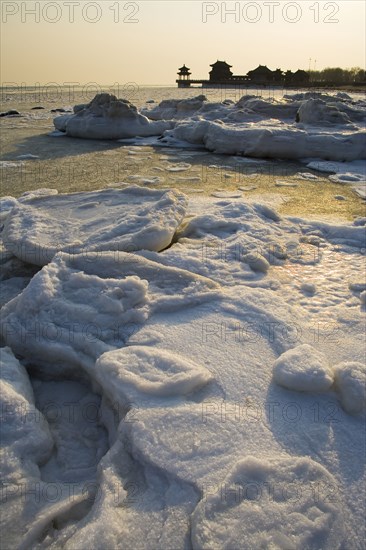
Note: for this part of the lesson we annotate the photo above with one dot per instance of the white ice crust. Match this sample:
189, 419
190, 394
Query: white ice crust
137, 370
107, 117
112, 219
350, 381
269, 503
192, 443
310, 125
303, 369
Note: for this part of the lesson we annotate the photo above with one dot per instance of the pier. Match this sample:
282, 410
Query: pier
221, 75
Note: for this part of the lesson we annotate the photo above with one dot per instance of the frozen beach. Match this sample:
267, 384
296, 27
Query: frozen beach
183, 324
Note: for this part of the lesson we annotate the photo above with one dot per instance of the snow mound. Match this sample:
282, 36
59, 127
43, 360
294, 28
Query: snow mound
303, 368
270, 504
26, 443
107, 117
126, 219
350, 381
14, 374
256, 262
175, 108
137, 370
317, 112
77, 308
272, 140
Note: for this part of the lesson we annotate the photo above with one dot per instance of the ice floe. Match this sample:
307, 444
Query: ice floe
350, 381
303, 369
141, 370
107, 117
26, 444
127, 219
179, 435
299, 126
270, 503
100, 300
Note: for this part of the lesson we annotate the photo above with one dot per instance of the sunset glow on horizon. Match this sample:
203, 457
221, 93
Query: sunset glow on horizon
146, 41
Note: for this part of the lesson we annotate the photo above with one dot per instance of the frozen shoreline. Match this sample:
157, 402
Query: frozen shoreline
208, 390
171, 354
311, 127
299, 126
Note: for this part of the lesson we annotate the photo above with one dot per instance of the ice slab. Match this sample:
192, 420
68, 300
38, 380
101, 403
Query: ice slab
79, 308
141, 370
303, 368
272, 140
318, 112
107, 117
270, 503
26, 443
350, 381
127, 219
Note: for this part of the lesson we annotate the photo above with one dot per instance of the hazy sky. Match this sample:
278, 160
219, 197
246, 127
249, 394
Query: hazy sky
111, 41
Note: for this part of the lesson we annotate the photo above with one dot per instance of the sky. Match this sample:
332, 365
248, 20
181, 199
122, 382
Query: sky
146, 41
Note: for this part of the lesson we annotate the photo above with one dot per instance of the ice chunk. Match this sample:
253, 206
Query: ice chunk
270, 503
107, 117
273, 140
303, 368
307, 176
175, 108
129, 219
6, 206
318, 112
28, 156
132, 371
195, 443
256, 262
350, 381
347, 177
180, 167
78, 307
309, 288
15, 374
227, 194
280, 183
360, 190
26, 443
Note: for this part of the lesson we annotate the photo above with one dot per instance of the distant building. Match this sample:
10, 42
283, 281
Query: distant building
261, 75
184, 74
220, 71
301, 77
221, 74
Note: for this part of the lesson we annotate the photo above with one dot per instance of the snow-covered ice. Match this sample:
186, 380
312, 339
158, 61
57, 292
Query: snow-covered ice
303, 369
174, 353
315, 126
269, 503
125, 219
139, 370
107, 117
350, 381
101, 300
195, 366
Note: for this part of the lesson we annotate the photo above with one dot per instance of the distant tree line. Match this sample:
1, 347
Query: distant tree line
338, 75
